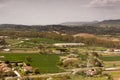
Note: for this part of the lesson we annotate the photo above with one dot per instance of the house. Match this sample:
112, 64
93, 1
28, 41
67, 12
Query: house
91, 72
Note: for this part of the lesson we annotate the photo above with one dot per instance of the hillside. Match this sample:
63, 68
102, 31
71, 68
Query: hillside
79, 23
110, 23
51, 28
104, 23
111, 27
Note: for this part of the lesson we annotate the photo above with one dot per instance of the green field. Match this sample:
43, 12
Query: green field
46, 63
87, 78
110, 58
29, 42
115, 74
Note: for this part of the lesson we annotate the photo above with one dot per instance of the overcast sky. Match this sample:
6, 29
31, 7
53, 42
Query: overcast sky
40, 12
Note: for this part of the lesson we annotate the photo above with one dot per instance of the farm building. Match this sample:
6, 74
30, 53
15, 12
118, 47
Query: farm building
68, 44
60, 50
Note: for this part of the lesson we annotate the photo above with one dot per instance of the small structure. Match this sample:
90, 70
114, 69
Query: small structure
28, 68
60, 50
72, 56
6, 50
91, 72
68, 44
56, 51
116, 50
113, 50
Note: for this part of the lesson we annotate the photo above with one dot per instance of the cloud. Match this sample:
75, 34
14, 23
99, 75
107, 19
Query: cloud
104, 3
3, 3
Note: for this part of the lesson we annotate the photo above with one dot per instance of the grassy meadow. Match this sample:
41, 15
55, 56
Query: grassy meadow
111, 58
46, 63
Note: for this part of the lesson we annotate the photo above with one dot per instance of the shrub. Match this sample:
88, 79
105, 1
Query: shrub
99, 71
109, 77
36, 71
82, 73
28, 58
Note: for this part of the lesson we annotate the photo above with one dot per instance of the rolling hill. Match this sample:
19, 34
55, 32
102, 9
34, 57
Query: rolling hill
111, 27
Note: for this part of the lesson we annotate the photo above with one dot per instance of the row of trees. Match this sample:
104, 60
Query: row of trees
62, 37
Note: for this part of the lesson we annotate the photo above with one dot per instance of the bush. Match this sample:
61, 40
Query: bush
109, 77
99, 71
28, 58
82, 73
36, 71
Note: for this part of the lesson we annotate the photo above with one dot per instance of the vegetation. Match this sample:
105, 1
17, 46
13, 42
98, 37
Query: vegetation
52, 37
98, 29
41, 39
46, 63
111, 58
29, 42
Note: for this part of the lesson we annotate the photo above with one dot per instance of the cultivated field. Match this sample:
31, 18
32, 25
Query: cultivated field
46, 63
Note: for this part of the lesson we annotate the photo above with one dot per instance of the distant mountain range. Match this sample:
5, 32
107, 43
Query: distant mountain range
110, 23
79, 23
103, 27
105, 23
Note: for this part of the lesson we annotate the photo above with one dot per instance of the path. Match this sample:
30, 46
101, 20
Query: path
42, 75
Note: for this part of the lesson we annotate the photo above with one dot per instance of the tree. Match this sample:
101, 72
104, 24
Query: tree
28, 59
2, 42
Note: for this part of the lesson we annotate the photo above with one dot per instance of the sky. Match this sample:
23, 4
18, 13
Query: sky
44, 12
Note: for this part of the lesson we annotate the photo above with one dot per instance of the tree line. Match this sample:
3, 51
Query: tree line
63, 29
62, 37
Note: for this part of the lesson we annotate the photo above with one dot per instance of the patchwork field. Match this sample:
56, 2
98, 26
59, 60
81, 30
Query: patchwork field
46, 63
29, 42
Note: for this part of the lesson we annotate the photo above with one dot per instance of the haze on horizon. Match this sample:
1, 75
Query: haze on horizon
42, 12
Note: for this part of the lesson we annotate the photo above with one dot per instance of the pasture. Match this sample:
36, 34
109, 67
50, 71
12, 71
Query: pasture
111, 58
46, 63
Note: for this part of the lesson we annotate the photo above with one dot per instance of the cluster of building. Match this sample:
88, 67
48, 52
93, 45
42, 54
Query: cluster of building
14, 69
5, 66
